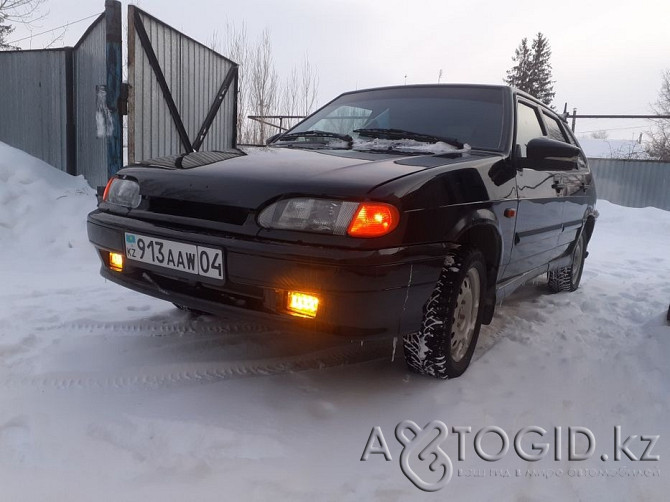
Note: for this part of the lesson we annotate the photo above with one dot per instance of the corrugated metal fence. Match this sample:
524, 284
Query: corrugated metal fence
632, 183
33, 110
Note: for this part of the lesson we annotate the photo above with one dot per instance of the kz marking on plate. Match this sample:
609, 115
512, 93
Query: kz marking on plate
189, 258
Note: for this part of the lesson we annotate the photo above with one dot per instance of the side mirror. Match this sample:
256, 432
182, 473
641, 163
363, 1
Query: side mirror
501, 172
545, 154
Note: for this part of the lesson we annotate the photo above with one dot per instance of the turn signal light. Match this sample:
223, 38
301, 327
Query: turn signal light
105, 194
302, 304
116, 262
373, 220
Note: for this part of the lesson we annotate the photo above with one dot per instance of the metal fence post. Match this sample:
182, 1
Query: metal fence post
70, 116
114, 82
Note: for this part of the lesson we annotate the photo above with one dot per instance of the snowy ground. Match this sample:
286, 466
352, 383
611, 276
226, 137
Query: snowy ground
110, 395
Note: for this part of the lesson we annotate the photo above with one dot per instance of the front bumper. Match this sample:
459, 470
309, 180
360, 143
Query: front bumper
362, 292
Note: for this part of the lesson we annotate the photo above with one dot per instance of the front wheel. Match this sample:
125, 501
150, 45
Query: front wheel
444, 345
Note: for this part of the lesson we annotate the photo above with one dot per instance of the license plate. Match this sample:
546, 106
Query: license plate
189, 258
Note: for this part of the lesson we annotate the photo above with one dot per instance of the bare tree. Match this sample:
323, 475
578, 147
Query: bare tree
263, 86
602, 134
658, 146
17, 11
260, 90
300, 91
291, 94
236, 46
628, 150
21, 11
309, 87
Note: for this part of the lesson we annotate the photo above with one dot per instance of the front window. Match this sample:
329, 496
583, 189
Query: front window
528, 127
468, 115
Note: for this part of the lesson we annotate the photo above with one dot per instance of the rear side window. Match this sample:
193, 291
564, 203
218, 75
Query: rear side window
528, 126
554, 130
344, 119
558, 131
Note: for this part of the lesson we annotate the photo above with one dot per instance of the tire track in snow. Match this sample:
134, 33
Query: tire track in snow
201, 372
156, 353
263, 354
161, 328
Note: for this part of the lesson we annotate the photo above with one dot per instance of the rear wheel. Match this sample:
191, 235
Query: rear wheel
568, 278
444, 345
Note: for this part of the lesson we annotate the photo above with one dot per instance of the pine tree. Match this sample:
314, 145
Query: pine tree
542, 85
519, 75
532, 72
5, 31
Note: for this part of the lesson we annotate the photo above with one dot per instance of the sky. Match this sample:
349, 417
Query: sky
607, 55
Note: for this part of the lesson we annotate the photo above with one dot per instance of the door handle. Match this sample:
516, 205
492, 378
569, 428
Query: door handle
558, 186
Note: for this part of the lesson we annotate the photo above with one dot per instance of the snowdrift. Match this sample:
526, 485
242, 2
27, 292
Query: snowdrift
41, 208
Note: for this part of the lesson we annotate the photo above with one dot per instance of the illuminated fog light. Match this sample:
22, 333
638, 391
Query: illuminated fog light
116, 262
302, 304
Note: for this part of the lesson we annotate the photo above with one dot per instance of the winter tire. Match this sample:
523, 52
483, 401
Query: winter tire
568, 278
444, 345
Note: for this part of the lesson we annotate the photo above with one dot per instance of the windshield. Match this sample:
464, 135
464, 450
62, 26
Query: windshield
468, 115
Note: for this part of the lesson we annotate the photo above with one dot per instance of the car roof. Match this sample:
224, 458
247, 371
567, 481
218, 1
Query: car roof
428, 86
509, 88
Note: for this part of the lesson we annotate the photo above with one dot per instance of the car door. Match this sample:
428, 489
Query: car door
539, 218
576, 185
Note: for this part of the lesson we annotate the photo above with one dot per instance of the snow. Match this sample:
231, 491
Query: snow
612, 149
29, 189
407, 145
111, 395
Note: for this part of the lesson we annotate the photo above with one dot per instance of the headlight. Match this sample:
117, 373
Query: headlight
335, 217
123, 192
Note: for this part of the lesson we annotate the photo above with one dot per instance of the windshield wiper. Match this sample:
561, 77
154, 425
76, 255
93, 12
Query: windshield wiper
402, 134
317, 134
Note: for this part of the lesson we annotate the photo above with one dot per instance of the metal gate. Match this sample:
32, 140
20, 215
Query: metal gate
61, 105
97, 93
66, 106
182, 95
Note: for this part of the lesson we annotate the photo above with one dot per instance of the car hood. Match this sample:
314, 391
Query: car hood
252, 178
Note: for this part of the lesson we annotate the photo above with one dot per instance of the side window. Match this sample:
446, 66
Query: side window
570, 135
343, 119
554, 130
566, 136
527, 127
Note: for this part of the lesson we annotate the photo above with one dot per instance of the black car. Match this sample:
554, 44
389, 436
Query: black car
399, 211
